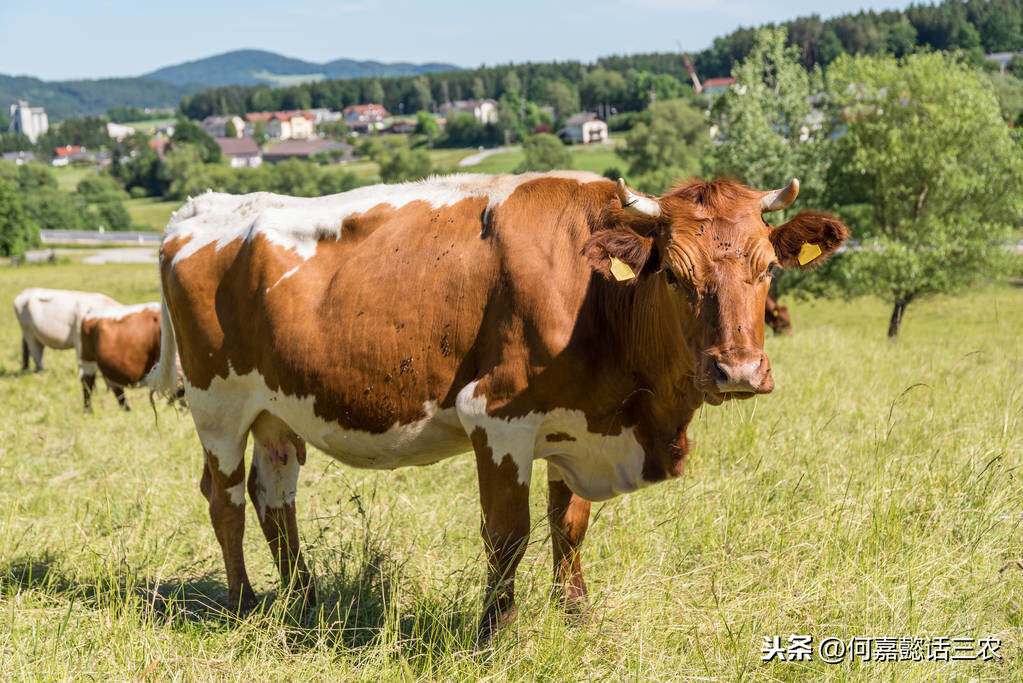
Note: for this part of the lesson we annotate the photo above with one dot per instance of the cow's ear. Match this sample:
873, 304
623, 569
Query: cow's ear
808, 239
619, 254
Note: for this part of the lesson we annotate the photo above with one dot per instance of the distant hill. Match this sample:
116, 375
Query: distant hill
256, 67
65, 99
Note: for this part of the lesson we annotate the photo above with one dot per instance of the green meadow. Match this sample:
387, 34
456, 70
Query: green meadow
876, 493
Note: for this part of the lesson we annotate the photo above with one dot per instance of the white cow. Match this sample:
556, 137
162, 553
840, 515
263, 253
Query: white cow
52, 317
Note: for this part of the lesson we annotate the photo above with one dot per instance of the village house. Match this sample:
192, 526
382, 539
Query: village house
216, 126
717, 86
117, 131
485, 111
306, 149
281, 125
62, 156
31, 122
585, 128
241, 152
360, 118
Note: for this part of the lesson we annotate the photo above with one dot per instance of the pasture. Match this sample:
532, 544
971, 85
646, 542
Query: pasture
875, 493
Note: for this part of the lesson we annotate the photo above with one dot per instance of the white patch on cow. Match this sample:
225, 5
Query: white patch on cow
275, 484
298, 223
286, 275
119, 312
595, 466
53, 316
87, 367
224, 412
237, 493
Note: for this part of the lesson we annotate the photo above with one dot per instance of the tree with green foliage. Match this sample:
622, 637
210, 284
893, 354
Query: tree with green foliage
544, 152
18, 233
230, 130
259, 132
55, 210
668, 142
97, 189
190, 133
188, 174
403, 164
427, 126
1015, 66
113, 216
1009, 92
924, 148
766, 122
509, 116
374, 93
564, 97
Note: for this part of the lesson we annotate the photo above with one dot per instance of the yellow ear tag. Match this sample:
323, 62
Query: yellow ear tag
621, 270
808, 253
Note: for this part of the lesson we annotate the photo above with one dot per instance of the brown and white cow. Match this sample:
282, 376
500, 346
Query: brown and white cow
777, 316
120, 342
52, 317
556, 317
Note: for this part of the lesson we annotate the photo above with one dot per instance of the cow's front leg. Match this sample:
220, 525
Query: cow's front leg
273, 478
569, 516
504, 496
88, 385
226, 495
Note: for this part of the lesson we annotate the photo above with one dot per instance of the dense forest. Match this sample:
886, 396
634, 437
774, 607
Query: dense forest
974, 27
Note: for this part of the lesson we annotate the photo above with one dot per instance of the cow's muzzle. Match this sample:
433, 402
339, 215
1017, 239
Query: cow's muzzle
742, 371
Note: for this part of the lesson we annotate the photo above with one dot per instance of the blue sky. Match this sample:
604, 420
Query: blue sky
61, 39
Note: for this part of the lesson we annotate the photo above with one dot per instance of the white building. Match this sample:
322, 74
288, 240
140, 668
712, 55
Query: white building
585, 127
485, 111
29, 121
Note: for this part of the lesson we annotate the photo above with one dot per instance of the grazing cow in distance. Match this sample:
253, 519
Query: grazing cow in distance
552, 316
120, 342
776, 316
51, 317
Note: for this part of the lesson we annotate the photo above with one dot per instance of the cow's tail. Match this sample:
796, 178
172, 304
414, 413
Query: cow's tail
163, 378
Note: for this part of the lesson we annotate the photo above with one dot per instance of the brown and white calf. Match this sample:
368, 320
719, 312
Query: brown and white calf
120, 342
51, 318
553, 317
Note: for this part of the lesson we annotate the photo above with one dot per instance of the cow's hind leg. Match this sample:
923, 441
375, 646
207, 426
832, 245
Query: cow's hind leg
277, 455
24, 355
504, 496
223, 485
35, 350
569, 516
122, 400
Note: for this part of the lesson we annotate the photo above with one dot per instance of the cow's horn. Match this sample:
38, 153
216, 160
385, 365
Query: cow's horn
776, 200
636, 204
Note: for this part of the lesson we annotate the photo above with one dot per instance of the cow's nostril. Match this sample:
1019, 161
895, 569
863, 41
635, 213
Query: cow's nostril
720, 376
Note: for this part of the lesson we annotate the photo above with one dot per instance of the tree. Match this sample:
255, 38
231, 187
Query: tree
230, 131
926, 151
1009, 91
564, 98
259, 132
402, 164
189, 132
97, 189
668, 142
188, 173
113, 216
544, 152
17, 231
766, 120
1015, 66
374, 93
427, 126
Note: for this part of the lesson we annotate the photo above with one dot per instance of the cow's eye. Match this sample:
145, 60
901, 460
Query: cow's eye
672, 279
772, 270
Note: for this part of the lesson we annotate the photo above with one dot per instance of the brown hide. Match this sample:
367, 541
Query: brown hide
124, 350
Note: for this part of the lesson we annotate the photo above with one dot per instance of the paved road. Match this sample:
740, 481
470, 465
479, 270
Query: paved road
474, 159
96, 237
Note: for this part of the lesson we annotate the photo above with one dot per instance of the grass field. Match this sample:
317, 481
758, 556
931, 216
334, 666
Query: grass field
875, 493
596, 158
151, 213
68, 177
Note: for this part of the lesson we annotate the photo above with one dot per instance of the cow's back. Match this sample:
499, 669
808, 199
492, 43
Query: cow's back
52, 315
378, 312
123, 341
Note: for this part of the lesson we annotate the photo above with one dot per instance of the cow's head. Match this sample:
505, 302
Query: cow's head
702, 258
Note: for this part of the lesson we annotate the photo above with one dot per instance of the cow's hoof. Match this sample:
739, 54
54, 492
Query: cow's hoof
492, 622
126, 408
